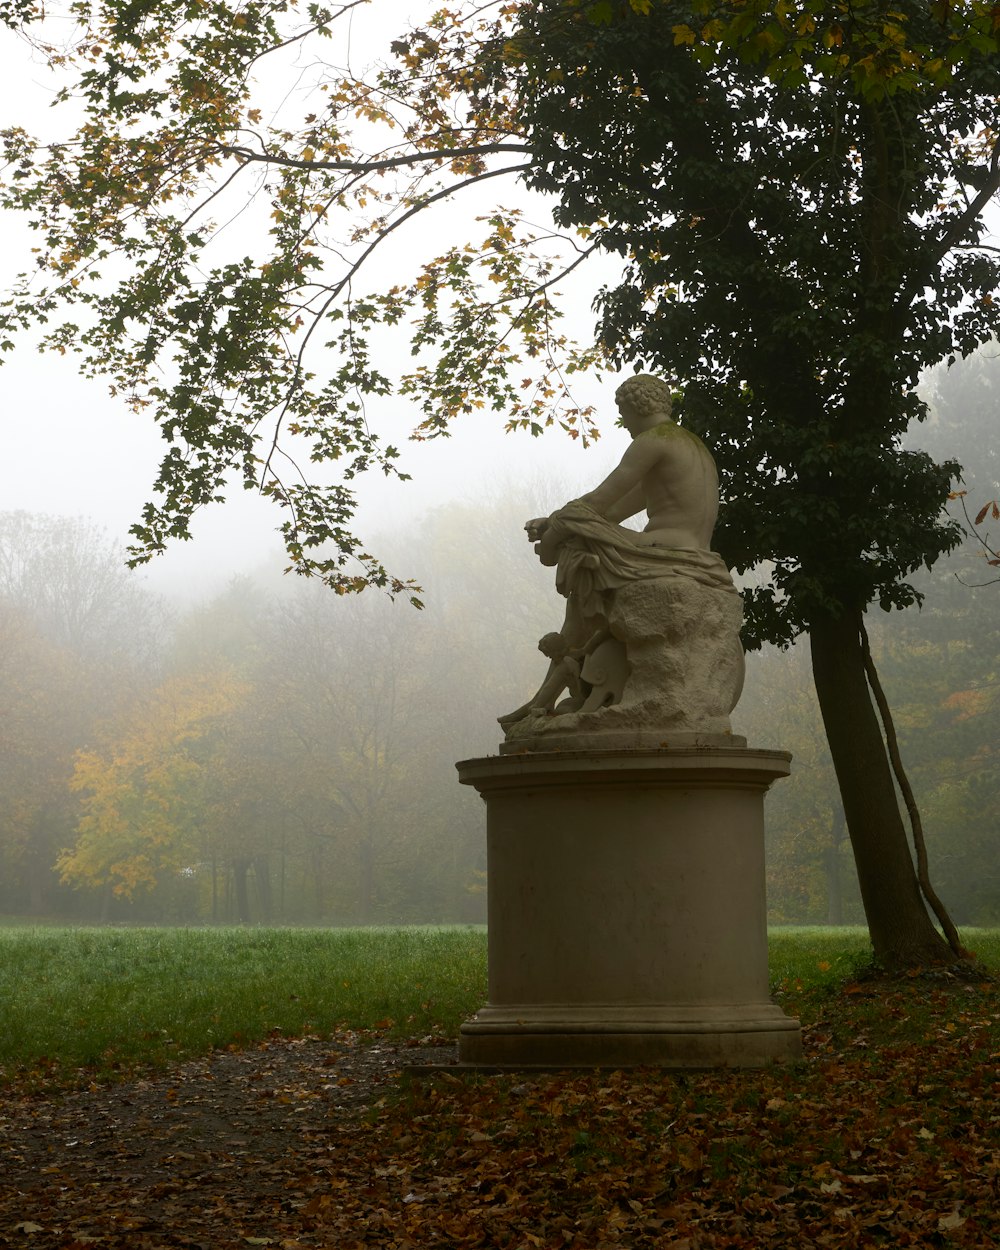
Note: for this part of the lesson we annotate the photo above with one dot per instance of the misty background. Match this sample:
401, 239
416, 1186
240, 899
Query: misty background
269, 752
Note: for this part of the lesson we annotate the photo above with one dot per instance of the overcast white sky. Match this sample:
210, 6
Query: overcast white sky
69, 448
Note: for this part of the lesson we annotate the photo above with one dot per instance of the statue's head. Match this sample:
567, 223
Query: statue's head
646, 396
552, 646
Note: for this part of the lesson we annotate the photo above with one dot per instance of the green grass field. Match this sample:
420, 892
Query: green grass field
83, 1003
107, 999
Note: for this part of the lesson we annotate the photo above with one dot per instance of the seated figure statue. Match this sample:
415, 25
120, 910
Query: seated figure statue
650, 647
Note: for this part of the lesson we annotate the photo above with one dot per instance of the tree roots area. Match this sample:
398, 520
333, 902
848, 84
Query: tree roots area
888, 1134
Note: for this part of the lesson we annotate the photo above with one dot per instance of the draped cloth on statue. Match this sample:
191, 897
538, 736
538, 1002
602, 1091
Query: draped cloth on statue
595, 555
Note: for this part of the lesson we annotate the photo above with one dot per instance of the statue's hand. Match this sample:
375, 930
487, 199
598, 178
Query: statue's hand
536, 528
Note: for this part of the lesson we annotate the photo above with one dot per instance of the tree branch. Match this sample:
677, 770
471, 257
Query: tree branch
370, 167
355, 267
992, 557
958, 227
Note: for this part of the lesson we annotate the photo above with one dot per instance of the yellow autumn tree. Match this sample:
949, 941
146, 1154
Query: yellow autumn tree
144, 793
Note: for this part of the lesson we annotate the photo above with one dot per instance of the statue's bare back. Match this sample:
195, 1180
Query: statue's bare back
669, 473
666, 472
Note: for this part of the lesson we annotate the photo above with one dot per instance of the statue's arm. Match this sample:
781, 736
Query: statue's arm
630, 503
620, 495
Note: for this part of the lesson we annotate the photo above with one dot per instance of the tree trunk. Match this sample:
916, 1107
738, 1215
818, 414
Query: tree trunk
240, 869
834, 880
106, 897
262, 879
367, 882
318, 870
902, 933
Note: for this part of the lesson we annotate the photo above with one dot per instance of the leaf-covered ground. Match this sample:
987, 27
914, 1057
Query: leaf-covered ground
887, 1135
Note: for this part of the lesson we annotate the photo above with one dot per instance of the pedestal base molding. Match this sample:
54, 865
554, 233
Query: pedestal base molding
609, 1036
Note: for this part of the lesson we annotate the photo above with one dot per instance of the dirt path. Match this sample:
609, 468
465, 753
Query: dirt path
216, 1153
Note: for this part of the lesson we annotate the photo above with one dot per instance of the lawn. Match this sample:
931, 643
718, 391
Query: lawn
98, 1001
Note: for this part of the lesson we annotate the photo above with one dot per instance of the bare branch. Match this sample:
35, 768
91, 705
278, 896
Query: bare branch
989, 553
976, 247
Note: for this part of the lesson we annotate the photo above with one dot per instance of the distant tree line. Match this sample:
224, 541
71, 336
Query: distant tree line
265, 757
288, 756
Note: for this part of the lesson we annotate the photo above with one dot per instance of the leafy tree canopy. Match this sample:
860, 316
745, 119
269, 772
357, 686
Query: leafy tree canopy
795, 190
257, 350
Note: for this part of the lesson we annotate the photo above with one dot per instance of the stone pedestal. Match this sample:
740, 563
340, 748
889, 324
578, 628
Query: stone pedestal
627, 915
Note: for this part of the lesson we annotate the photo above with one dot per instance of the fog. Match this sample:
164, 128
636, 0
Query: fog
70, 450
266, 751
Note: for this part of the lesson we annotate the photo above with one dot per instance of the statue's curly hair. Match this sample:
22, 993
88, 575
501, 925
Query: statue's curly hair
646, 394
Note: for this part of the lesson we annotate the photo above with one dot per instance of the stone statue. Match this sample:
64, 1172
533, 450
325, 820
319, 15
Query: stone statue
649, 651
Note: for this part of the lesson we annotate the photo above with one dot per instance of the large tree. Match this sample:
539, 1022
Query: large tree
795, 190
804, 237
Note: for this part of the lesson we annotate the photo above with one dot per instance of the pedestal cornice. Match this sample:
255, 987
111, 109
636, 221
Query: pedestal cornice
708, 766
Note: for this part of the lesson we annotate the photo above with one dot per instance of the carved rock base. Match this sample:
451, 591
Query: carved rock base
685, 666
627, 914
